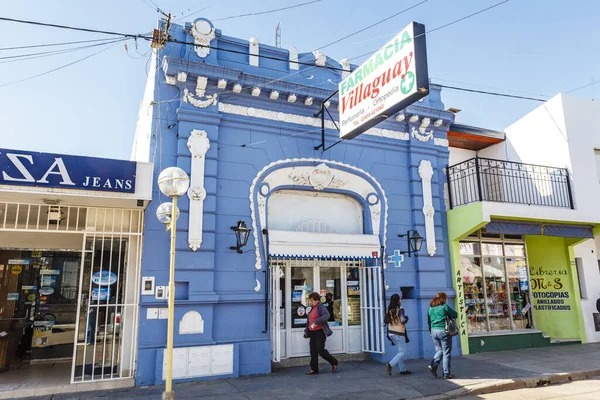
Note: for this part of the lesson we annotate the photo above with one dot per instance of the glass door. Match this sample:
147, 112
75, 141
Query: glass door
38, 303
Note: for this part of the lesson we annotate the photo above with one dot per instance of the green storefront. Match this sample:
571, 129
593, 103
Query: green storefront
516, 280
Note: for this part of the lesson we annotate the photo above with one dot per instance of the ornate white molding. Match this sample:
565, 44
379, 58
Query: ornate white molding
203, 34
182, 76
198, 144
326, 174
426, 173
440, 142
253, 50
294, 59
209, 100
345, 63
302, 120
257, 287
321, 177
320, 58
421, 133
171, 80
201, 83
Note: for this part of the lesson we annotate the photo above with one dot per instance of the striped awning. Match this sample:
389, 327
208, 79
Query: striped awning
323, 245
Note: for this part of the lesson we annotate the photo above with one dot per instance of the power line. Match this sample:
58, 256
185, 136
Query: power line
61, 67
372, 25
72, 28
30, 56
51, 44
489, 87
443, 26
280, 59
268, 11
492, 93
584, 86
194, 13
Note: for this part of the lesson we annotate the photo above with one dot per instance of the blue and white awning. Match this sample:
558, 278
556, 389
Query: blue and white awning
322, 245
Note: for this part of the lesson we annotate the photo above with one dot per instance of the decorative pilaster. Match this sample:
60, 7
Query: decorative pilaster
426, 173
198, 144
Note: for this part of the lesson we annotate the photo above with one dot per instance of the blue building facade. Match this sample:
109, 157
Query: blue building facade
239, 117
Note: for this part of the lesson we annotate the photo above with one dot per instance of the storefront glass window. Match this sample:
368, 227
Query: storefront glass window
353, 291
496, 283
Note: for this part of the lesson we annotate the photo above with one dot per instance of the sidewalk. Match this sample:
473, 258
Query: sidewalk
476, 374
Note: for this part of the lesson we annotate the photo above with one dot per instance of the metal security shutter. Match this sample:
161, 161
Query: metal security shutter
371, 306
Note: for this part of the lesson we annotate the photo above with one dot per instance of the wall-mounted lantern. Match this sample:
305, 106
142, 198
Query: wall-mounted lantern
242, 233
414, 242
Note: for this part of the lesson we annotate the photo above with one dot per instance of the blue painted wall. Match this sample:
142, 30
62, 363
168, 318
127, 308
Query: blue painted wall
221, 281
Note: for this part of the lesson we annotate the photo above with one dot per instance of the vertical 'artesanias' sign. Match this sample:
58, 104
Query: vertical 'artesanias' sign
392, 79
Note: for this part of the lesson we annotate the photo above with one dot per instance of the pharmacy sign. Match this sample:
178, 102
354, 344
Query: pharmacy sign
392, 79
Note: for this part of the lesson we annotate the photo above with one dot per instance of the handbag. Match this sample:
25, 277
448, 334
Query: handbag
451, 326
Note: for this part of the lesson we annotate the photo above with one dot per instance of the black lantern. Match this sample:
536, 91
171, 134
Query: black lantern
241, 236
414, 242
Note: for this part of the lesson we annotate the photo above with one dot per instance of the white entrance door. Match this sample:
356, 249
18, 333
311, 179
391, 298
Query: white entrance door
338, 282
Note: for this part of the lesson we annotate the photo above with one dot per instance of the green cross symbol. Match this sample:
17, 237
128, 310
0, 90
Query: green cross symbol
408, 82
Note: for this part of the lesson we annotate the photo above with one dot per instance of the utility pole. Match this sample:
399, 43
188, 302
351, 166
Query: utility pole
277, 35
160, 38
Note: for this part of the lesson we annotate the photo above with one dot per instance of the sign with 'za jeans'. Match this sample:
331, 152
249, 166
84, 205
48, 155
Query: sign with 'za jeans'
25, 168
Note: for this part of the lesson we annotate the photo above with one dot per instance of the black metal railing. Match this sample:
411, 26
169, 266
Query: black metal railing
486, 179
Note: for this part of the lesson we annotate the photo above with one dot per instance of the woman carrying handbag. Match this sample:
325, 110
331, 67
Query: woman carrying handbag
396, 321
440, 317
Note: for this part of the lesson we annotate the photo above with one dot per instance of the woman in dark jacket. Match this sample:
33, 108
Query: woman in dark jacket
436, 317
317, 329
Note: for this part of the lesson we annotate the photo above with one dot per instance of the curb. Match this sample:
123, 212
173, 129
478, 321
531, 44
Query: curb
503, 386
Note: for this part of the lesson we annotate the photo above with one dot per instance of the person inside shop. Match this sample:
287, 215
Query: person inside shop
436, 317
317, 330
329, 303
396, 320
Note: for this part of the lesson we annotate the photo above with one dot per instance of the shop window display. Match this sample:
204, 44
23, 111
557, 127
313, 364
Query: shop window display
496, 284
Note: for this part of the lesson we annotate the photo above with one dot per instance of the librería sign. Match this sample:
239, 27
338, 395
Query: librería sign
26, 168
390, 80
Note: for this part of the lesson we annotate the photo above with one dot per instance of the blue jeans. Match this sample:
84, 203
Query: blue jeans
400, 344
443, 348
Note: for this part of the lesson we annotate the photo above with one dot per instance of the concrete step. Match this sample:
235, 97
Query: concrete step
560, 342
300, 361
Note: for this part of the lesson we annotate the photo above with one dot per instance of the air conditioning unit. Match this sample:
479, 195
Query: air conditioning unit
55, 215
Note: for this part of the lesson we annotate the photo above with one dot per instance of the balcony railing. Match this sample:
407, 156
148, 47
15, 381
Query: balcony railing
485, 179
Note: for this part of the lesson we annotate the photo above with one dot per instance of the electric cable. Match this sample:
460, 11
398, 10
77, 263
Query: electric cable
51, 44
268, 11
139, 36
372, 25
61, 67
584, 86
32, 56
72, 28
193, 13
442, 26
492, 93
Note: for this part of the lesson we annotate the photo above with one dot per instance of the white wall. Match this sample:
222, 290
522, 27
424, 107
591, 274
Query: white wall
561, 133
588, 252
459, 155
143, 131
540, 137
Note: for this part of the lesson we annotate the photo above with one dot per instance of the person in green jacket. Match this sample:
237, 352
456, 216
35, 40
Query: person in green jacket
436, 317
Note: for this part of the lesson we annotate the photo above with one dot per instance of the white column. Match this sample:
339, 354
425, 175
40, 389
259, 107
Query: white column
198, 144
426, 173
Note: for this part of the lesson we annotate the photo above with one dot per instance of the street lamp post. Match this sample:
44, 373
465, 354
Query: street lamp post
173, 182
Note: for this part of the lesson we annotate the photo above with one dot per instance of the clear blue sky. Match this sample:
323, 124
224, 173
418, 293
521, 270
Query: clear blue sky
538, 47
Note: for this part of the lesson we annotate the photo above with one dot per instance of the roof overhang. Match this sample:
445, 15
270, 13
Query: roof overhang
472, 138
